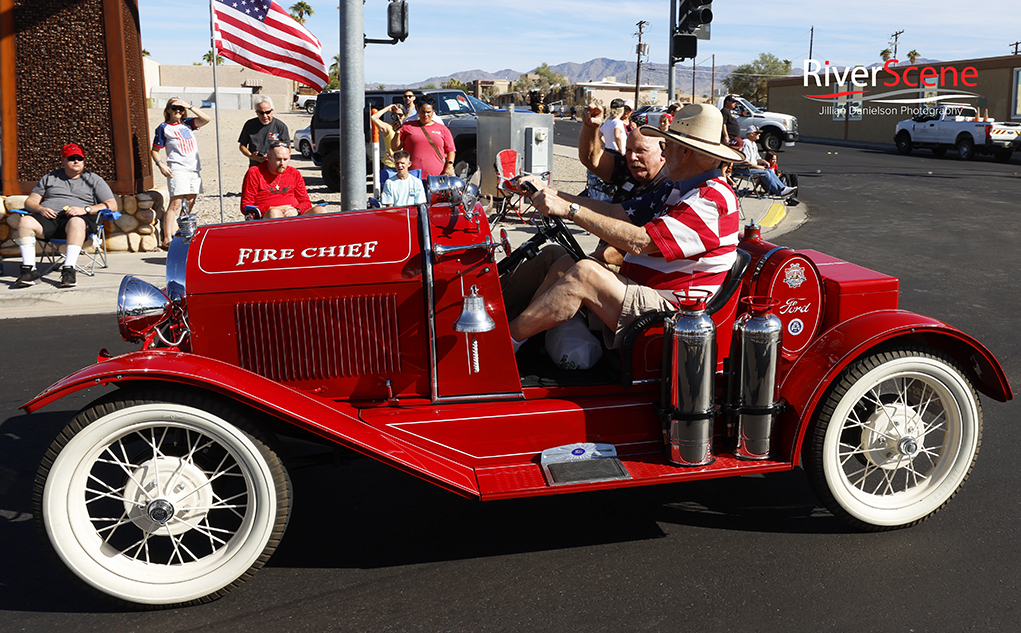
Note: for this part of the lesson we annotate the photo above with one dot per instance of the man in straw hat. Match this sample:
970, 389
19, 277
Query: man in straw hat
684, 235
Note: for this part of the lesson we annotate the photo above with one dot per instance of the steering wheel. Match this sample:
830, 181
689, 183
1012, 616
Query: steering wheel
557, 232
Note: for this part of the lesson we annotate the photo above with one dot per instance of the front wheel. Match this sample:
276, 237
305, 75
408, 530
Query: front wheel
772, 141
163, 499
305, 148
895, 439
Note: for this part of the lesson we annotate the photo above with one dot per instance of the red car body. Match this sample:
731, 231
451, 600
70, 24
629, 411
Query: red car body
343, 326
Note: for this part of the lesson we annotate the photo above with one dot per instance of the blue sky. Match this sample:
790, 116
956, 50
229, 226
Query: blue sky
447, 36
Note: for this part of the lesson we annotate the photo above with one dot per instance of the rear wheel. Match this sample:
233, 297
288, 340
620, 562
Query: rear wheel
331, 171
965, 148
305, 148
166, 498
895, 439
903, 142
310, 107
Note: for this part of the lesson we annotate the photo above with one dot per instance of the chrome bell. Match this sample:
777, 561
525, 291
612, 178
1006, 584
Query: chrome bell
474, 317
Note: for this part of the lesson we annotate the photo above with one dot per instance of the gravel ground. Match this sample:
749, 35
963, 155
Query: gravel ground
568, 174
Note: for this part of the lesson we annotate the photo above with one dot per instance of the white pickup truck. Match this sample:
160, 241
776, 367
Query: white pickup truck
305, 102
777, 128
958, 126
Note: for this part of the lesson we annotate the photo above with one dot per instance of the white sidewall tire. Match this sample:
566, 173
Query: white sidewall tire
78, 545
963, 436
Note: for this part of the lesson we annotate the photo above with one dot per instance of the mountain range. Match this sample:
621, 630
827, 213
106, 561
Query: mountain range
706, 77
595, 70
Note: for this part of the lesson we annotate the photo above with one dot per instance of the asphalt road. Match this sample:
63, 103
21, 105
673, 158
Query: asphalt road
371, 549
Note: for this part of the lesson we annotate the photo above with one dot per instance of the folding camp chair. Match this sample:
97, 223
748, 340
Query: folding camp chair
53, 258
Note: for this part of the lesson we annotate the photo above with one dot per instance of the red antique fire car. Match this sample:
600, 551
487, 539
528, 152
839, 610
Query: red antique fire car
384, 331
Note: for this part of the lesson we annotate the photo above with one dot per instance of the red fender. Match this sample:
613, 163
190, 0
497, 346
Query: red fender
816, 369
338, 422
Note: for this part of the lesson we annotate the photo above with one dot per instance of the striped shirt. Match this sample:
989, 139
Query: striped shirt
696, 230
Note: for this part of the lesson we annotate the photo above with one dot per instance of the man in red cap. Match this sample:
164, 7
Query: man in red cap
64, 204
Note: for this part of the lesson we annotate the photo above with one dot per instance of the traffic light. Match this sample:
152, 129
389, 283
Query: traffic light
693, 14
397, 20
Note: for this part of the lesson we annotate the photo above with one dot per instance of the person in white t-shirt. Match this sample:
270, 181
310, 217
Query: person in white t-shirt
403, 189
182, 168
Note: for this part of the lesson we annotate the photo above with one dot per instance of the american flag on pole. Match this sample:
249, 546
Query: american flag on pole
260, 35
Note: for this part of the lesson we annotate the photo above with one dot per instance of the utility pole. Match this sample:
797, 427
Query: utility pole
670, 57
638, 66
1015, 45
895, 37
811, 41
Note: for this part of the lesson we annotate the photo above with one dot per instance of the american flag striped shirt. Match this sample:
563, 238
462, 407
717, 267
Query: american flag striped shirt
696, 231
260, 35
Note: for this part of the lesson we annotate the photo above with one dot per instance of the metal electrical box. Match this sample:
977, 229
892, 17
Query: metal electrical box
528, 133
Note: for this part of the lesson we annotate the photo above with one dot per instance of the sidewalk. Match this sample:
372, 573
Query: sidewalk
98, 294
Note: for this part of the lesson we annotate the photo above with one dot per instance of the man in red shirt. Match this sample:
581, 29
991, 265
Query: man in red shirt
429, 142
276, 188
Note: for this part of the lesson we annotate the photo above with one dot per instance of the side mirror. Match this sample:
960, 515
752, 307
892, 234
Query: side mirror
397, 20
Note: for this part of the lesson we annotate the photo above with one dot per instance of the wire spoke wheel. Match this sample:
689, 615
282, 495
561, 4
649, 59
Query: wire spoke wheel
161, 503
895, 440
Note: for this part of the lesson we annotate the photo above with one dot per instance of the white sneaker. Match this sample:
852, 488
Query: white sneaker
787, 191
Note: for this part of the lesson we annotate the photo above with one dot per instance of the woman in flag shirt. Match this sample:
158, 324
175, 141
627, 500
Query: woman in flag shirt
182, 168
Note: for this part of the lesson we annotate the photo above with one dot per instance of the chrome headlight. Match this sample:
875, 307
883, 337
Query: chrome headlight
141, 309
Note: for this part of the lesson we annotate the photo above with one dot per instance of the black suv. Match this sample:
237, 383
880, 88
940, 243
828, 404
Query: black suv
453, 107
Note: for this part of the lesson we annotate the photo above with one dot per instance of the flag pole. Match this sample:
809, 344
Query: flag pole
216, 108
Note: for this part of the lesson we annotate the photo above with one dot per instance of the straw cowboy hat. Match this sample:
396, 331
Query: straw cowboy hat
700, 127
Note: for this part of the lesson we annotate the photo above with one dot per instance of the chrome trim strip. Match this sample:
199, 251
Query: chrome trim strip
430, 298
510, 395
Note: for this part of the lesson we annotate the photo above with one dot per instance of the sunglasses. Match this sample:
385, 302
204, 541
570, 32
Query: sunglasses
75, 159
263, 112
409, 96
176, 108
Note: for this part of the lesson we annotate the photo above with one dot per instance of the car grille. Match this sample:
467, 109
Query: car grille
316, 339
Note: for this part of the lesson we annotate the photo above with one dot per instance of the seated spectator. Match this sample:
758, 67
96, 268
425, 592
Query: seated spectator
276, 188
403, 189
758, 167
64, 204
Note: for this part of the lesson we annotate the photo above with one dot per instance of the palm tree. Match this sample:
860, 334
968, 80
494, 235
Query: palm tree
145, 53
886, 54
299, 10
913, 55
208, 58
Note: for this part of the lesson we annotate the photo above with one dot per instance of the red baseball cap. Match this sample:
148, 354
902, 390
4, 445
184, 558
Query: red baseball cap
71, 149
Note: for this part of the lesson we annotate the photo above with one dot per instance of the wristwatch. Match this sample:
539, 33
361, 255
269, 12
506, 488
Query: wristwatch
88, 210
571, 210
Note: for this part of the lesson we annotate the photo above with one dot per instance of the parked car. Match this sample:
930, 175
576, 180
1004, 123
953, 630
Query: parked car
305, 102
957, 126
303, 142
453, 108
383, 334
648, 115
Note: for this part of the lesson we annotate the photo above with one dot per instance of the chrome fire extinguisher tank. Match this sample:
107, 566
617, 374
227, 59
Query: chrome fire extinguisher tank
756, 350
688, 379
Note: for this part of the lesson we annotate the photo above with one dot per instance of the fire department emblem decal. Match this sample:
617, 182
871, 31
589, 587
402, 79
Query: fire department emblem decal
794, 276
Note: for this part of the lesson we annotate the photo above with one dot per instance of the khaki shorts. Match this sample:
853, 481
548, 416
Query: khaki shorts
184, 183
637, 301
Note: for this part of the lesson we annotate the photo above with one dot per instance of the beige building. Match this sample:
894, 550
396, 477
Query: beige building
607, 89
995, 83
237, 85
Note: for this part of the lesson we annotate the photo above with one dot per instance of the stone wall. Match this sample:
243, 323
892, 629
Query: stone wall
136, 231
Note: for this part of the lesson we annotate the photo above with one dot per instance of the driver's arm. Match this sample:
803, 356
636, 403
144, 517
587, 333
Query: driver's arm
606, 221
590, 147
